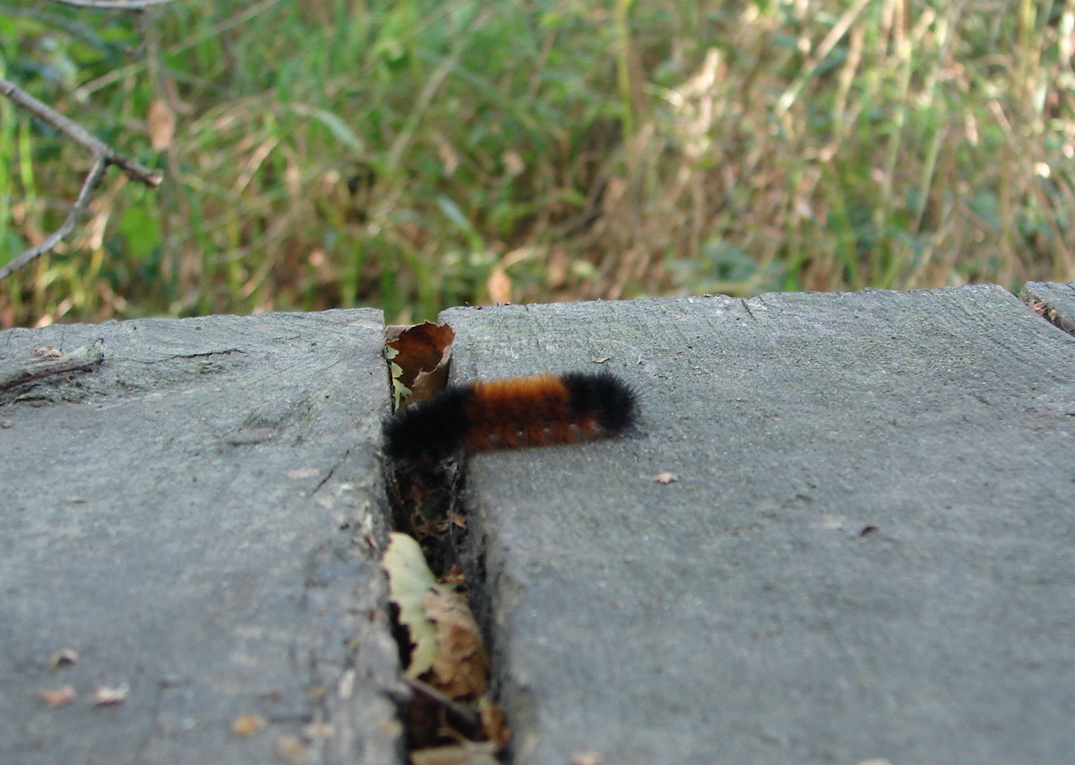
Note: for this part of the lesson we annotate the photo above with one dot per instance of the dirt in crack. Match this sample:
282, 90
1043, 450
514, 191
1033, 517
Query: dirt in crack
451, 716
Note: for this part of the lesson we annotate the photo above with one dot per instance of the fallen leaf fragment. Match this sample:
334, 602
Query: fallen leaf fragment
107, 696
247, 725
55, 698
409, 579
62, 657
461, 666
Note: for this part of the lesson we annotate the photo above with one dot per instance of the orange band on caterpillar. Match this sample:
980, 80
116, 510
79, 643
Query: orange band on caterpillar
512, 413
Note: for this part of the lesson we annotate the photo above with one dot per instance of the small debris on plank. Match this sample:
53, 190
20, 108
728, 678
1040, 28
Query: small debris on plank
247, 725
62, 657
109, 696
55, 698
586, 758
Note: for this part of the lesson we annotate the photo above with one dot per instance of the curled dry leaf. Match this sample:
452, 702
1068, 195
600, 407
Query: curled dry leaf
409, 579
55, 698
420, 356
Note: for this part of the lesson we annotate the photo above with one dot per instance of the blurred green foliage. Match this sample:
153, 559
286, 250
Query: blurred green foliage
415, 154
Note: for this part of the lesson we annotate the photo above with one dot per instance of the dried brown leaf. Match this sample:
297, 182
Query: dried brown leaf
461, 666
422, 353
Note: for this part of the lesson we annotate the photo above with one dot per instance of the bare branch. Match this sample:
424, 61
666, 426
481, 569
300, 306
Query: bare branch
79, 135
116, 4
103, 155
93, 180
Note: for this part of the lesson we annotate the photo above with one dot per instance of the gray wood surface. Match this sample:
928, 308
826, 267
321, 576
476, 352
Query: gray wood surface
1058, 300
869, 551
193, 517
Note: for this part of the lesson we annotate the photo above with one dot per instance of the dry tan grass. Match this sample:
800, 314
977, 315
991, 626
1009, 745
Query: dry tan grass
337, 154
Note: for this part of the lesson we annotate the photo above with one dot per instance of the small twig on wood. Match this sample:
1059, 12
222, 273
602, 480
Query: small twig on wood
86, 357
103, 154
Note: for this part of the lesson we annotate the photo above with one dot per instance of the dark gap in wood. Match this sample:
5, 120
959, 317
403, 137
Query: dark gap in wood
427, 503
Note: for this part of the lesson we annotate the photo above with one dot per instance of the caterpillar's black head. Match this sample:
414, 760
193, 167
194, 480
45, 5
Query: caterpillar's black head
606, 396
429, 430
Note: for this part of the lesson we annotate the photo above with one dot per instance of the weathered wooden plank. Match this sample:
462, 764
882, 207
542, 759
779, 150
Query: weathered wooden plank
868, 553
193, 517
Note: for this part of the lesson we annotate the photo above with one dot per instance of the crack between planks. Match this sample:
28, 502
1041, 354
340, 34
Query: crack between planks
1048, 311
427, 504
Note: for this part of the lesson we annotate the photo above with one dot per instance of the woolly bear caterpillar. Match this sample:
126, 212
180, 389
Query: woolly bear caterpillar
511, 413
